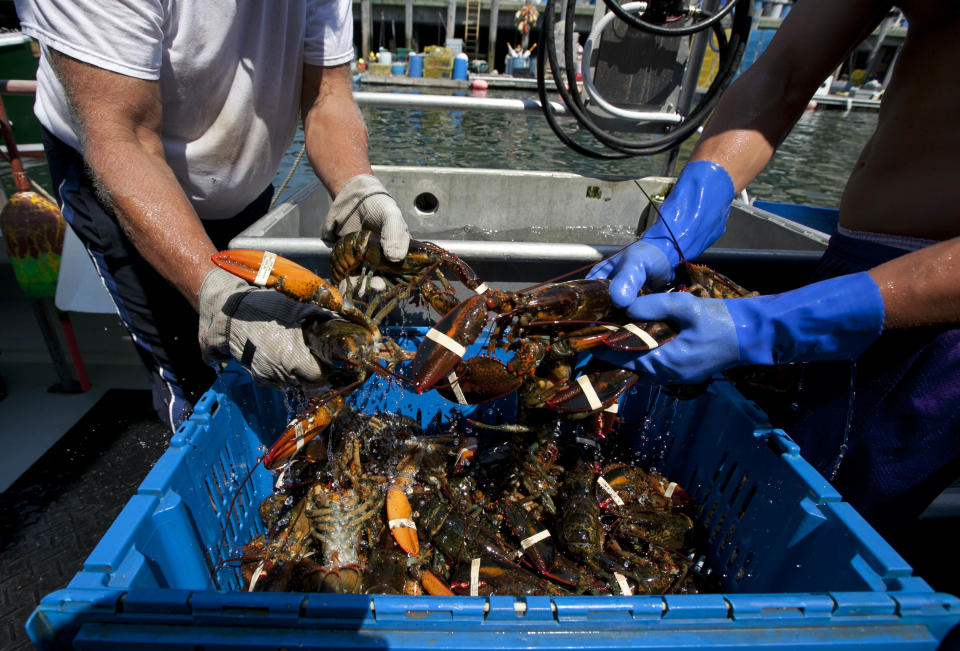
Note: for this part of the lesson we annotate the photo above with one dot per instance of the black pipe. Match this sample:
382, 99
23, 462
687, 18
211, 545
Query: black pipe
730, 53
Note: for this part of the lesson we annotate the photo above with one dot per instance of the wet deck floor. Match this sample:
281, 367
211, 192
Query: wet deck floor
52, 516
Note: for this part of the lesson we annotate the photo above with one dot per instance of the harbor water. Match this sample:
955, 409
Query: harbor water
810, 167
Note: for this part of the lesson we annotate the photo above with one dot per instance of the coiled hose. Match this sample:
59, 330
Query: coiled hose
730, 52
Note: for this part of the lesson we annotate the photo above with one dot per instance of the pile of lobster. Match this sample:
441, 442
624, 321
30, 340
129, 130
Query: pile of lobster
542, 330
373, 504
379, 505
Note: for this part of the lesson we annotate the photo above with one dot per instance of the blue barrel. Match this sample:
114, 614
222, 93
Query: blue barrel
415, 67
521, 67
396, 69
460, 67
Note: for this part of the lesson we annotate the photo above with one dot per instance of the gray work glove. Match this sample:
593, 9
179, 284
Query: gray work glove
260, 328
363, 202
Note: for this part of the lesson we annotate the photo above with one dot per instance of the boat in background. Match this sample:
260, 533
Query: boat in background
483, 216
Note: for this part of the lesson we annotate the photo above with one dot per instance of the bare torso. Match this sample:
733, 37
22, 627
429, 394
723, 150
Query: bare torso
906, 181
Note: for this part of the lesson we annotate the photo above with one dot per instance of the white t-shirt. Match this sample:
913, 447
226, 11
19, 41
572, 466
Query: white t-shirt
229, 74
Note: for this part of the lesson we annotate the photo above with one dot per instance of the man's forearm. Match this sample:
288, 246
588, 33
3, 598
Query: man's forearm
119, 120
336, 137
153, 211
920, 288
337, 143
749, 123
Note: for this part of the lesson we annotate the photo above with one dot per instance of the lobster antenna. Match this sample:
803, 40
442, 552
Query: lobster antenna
673, 237
343, 391
572, 273
383, 370
229, 512
676, 245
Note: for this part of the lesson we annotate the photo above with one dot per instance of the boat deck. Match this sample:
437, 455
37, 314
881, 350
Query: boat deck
54, 514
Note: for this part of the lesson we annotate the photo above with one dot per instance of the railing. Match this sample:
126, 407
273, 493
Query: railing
410, 101
18, 87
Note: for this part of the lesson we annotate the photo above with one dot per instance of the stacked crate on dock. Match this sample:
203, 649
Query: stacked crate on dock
378, 68
437, 62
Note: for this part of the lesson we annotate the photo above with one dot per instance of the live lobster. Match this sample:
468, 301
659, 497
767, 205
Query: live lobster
545, 329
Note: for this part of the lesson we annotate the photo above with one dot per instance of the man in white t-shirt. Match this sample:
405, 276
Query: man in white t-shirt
165, 123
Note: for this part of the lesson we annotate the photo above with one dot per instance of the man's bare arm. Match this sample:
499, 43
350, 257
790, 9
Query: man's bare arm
921, 288
759, 109
333, 126
119, 122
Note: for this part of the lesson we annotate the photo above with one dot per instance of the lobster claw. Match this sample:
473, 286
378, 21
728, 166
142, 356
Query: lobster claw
640, 336
446, 342
433, 585
479, 379
301, 430
536, 544
266, 269
593, 391
398, 518
466, 452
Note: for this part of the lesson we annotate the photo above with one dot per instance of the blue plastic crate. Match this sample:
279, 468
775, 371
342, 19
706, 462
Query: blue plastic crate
799, 567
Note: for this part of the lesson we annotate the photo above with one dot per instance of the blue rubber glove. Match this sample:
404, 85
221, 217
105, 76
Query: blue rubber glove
696, 211
832, 319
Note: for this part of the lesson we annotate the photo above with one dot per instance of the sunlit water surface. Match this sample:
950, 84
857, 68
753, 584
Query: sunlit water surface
810, 167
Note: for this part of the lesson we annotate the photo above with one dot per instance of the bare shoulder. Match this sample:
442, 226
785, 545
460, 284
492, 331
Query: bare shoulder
922, 14
928, 59
897, 185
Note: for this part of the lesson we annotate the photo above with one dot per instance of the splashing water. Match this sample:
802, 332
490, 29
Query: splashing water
846, 427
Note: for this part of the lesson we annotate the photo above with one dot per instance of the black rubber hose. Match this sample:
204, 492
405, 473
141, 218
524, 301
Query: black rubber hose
730, 53
660, 30
650, 145
572, 99
546, 44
